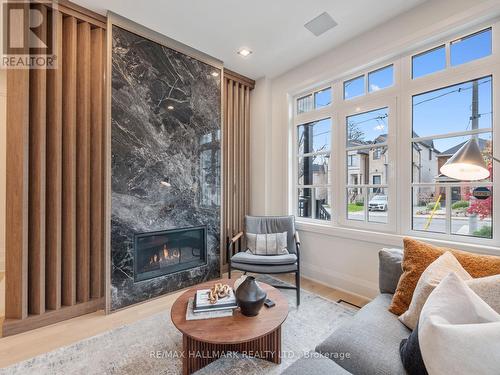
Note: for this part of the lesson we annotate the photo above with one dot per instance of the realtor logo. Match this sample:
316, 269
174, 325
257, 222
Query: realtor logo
28, 34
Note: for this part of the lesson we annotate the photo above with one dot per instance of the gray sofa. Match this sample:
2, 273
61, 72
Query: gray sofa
369, 343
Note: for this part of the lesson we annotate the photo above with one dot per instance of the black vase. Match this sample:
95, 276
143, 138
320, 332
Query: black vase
250, 297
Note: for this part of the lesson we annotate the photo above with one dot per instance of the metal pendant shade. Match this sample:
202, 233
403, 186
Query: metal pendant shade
467, 164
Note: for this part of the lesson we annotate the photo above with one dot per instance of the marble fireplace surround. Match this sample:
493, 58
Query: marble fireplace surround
165, 136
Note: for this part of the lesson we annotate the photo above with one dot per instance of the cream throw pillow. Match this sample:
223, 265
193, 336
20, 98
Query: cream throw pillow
458, 333
429, 280
488, 288
267, 244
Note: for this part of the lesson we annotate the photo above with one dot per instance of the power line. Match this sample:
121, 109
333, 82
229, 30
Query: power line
460, 89
386, 115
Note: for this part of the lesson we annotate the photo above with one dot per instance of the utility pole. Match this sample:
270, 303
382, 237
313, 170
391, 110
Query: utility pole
474, 126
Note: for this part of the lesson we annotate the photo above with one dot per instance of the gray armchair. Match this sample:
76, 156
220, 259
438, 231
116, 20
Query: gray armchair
268, 264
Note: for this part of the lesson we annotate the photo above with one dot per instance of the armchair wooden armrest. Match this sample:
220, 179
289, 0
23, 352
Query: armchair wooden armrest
230, 245
297, 245
297, 238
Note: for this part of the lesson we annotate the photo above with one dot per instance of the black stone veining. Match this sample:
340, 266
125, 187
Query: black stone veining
153, 143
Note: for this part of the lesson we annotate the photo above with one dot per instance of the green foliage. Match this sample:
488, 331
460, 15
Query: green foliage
360, 203
460, 204
485, 232
430, 205
355, 207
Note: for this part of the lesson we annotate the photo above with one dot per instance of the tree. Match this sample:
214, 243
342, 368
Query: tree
354, 133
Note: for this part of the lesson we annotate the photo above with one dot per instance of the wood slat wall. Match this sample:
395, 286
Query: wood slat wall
54, 218
236, 144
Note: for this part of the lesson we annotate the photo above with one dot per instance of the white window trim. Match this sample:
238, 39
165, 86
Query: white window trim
399, 97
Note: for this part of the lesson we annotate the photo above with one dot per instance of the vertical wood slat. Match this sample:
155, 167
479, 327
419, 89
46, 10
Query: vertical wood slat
54, 173
17, 158
69, 59
83, 164
105, 163
241, 165
224, 159
235, 148
229, 190
37, 181
96, 185
247, 151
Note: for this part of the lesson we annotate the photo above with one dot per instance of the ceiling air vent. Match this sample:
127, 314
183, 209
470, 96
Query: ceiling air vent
320, 24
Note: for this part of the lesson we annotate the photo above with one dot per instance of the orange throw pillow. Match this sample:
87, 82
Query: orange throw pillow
417, 257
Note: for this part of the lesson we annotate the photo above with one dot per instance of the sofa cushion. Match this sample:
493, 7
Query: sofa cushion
315, 365
249, 258
371, 338
389, 269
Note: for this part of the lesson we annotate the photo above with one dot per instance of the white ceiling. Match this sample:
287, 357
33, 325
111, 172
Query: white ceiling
272, 29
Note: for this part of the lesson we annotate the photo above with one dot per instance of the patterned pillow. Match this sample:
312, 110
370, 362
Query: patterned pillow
267, 244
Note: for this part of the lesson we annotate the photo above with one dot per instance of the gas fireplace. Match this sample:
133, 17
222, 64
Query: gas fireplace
164, 252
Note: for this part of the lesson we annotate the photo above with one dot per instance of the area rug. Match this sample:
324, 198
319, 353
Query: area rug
152, 345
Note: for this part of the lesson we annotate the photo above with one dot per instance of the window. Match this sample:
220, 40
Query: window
367, 133
353, 160
443, 120
323, 98
305, 104
399, 123
314, 169
381, 79
355, 87
377, 80
316, 100
471, 47
429, 62
463, 50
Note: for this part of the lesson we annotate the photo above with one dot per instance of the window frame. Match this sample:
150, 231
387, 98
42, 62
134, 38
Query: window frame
487, 66
299, 120
400, 96
382, 101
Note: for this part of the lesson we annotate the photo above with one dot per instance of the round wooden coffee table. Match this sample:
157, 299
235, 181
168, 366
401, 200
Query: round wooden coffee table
203, 341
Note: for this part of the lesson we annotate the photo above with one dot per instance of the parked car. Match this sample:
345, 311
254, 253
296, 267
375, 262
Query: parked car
378, 203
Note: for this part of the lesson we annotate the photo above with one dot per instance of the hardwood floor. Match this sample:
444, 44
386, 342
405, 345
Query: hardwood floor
2, 296
29, 344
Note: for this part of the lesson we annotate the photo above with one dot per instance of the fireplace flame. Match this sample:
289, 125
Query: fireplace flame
165, 255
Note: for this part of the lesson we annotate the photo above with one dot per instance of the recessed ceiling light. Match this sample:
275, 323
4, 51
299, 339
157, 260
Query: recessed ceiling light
215, 74
170, 107
244, 52
321, 24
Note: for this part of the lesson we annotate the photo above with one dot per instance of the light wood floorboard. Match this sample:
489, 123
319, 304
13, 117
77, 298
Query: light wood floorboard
29, 344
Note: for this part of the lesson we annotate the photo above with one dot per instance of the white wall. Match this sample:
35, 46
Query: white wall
260, 121
341, 261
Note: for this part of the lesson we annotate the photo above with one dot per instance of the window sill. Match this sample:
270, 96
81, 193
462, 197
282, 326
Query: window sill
388, 239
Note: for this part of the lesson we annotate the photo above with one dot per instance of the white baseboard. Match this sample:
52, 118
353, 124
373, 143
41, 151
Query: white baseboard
346, 283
